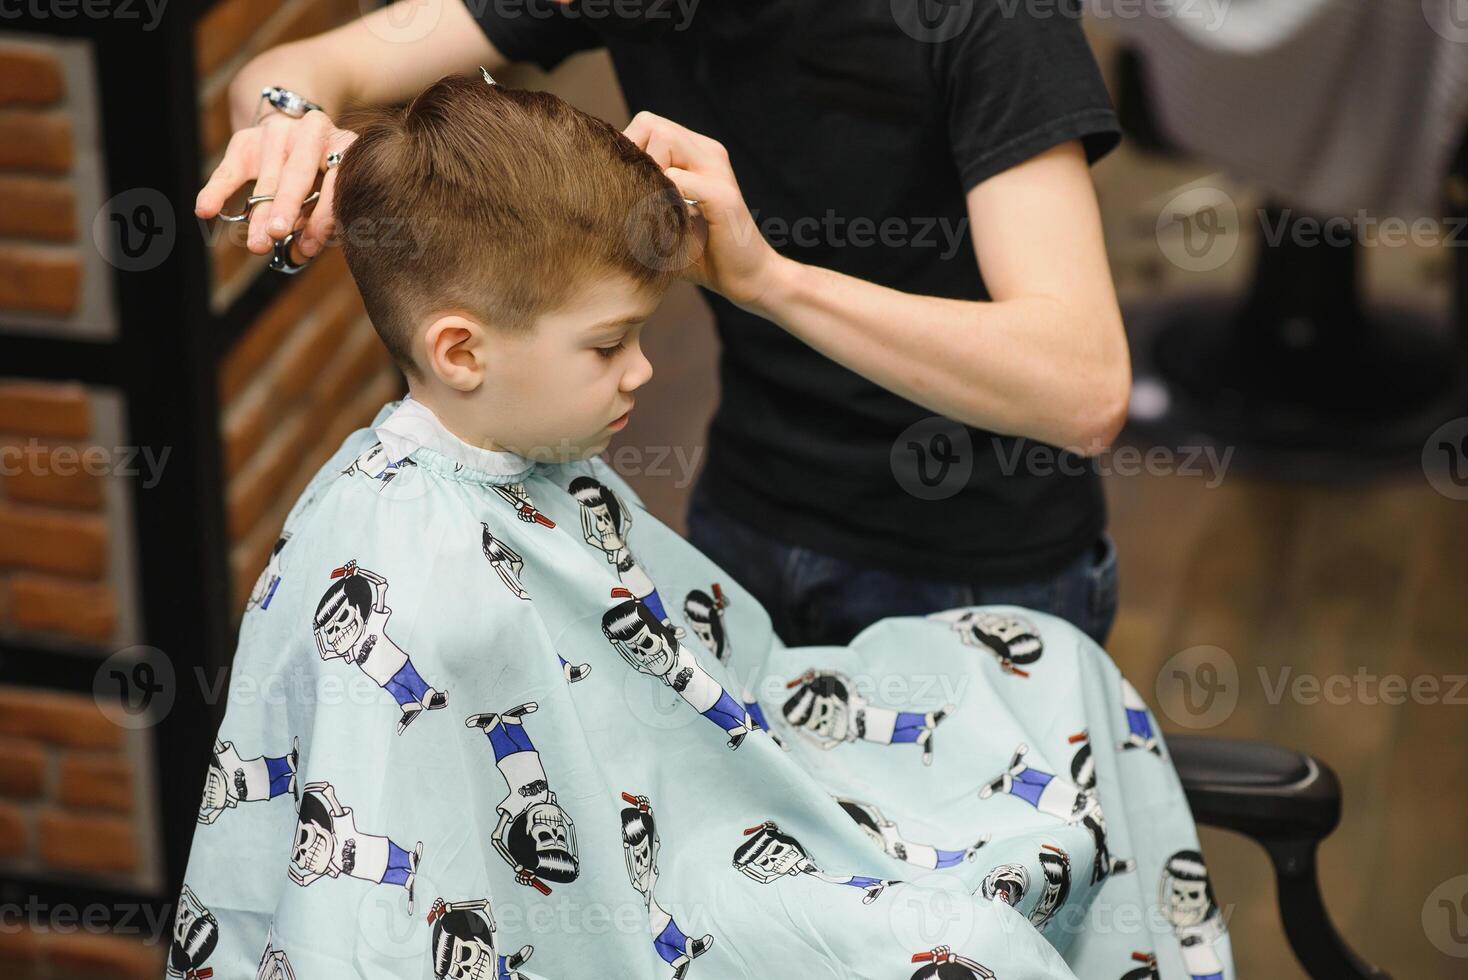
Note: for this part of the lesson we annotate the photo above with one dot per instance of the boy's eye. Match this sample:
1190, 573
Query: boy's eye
610, 351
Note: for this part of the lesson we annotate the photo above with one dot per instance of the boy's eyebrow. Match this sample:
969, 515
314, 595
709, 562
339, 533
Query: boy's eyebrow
619, 322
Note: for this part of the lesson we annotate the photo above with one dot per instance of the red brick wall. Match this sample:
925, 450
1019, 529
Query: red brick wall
56, 537
69, 799
40, 267
76, 796
310, 369
308, 372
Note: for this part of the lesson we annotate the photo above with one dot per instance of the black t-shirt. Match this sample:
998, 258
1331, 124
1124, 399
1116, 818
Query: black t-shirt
855, 138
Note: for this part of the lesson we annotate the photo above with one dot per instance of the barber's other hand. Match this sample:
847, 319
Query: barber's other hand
283, 156
736, 262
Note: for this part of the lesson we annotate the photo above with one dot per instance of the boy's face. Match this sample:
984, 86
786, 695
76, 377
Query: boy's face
563, 388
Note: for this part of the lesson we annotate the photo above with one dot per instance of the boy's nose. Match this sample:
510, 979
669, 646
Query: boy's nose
638, 373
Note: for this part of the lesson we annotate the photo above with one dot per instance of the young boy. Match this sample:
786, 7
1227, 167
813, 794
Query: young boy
469, 551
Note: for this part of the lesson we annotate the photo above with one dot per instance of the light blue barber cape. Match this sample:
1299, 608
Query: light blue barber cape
490, 718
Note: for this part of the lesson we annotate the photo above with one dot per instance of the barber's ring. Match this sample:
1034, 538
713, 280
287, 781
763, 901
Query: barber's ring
333, 159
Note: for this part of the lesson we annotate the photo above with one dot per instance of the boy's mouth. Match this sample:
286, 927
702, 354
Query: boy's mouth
620, 420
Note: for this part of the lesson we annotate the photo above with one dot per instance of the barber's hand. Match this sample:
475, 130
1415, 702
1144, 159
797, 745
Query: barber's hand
736, 262
283, 156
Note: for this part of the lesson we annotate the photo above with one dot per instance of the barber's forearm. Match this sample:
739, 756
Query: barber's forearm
1030, 366
382, 58
287, 66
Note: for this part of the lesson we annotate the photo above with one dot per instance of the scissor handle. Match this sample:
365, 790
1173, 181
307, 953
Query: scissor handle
255, 199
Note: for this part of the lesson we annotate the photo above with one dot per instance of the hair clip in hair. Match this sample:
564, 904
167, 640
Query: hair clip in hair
487, 77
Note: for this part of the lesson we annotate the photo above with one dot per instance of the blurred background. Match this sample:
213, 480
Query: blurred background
1286, 224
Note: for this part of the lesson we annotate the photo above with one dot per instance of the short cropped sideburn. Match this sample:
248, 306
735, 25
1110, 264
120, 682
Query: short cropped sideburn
498, 202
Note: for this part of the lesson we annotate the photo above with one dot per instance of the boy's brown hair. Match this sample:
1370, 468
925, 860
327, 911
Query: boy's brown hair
498, 202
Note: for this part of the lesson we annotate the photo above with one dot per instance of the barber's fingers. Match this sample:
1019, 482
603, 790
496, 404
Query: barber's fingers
719, 200
307, 149
322, 222
710, 192
672, 145
273, 147
239, 165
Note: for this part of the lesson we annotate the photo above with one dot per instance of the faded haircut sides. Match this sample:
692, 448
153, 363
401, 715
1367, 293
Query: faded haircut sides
497, 202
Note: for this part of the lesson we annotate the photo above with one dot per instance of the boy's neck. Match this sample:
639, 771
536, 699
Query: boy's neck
457, 418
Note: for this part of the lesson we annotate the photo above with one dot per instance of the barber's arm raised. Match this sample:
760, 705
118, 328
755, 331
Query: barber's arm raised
1045, 358
382, 58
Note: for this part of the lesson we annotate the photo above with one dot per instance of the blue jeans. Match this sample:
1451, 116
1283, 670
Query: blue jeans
817, 600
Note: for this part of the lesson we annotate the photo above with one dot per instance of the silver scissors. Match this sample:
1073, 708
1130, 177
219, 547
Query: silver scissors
280, 258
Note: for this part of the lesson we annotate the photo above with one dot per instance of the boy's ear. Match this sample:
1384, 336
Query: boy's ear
455, 351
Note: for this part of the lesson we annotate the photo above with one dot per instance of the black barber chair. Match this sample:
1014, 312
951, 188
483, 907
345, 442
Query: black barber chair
1288, 802
1300, 376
